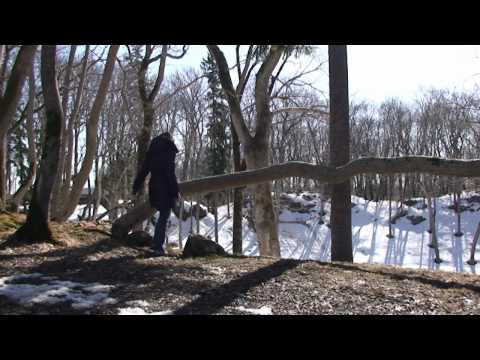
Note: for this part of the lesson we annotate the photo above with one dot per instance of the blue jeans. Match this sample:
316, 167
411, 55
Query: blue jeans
160, 229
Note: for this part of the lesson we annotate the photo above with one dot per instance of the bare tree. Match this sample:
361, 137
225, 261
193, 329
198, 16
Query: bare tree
256, 146
91, 137
8, 104
65, 97
36, 227
19, 195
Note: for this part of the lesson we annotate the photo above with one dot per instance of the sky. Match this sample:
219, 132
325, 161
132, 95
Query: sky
377, 72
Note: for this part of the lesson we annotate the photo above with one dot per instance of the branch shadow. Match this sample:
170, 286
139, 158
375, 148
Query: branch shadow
215, 299
440, 284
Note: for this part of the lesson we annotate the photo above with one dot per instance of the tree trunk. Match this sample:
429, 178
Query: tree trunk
65, 96
237, 221
325, 174
91, 136
472, 260
36, 227
180, 223
339, 139
390, 234
458, 233
8, 105
19, 195
147, 99
71, 139
215, 214
237, 197
197, 215
227, 196
143, 142
266, 223
3, 65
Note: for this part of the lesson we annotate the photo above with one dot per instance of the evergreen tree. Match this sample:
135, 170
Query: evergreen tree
18, 148
218, 148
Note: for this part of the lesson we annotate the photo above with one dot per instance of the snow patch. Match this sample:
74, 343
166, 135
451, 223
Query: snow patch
306, 236
30, 289
264, 310
140, 311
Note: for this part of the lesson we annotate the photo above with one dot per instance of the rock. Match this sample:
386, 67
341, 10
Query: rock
462, 207
399, 215
474, 198
410, 202
199, 246
307, 197
139, 238
294, 205
415, 220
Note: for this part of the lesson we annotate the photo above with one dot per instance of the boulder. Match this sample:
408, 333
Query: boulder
410, 202
399, 215
462, 207
307, 197
139, 238
474, 198
199, 246
415, 220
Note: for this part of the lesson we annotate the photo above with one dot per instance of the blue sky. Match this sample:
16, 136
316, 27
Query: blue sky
380, 71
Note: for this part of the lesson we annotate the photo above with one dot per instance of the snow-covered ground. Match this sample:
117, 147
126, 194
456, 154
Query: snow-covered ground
79, 211
408, 248
35, 288
141, 307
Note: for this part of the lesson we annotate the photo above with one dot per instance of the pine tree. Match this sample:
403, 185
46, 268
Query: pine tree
218, 148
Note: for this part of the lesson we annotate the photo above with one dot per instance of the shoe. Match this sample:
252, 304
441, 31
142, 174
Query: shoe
158, 253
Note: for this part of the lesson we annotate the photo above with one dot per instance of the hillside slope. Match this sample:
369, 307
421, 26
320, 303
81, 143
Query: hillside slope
304, 237
99, 276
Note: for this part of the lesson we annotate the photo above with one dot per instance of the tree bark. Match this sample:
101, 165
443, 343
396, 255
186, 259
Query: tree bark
70, 139
471, 260
61, 163
321, 173
91, 136
19, 195
36, 227
339, 139
215, 214
148, 99
8, 104
237, 198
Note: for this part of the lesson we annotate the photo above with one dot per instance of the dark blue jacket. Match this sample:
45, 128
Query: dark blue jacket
160, 162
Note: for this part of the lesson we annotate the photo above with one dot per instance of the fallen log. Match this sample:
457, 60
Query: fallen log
322, 173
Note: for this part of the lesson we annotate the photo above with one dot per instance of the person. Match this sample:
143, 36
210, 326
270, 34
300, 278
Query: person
163, 189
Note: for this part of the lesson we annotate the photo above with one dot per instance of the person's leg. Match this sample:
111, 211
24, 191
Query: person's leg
160, 229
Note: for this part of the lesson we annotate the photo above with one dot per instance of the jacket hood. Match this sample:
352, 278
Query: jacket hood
165, 144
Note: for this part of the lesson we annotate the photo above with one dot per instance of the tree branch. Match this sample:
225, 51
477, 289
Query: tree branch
300, 110
322, 173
